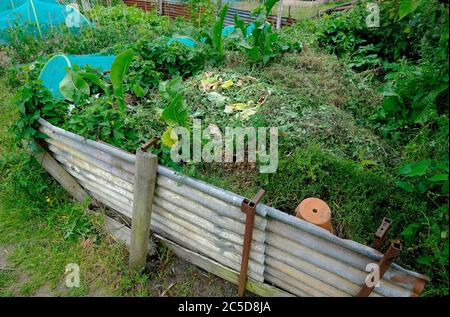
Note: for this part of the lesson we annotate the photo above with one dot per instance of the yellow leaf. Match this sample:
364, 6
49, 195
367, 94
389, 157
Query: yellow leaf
227, 84
247, 113
237, 107
169, 137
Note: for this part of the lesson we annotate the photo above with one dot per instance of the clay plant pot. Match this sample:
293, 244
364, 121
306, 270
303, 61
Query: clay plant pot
315, 211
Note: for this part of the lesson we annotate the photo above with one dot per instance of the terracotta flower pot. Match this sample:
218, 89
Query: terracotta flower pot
315, 211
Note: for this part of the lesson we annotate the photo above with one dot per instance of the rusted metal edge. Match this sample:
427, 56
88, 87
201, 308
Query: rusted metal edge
392, 252
249, 208
381, 233
150, 143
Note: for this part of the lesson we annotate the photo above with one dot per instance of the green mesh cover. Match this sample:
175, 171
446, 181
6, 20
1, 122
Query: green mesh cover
37, 16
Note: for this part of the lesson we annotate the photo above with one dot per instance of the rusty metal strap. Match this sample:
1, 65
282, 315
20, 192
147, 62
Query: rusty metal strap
150, 143
381, 233
394, 251
249, 208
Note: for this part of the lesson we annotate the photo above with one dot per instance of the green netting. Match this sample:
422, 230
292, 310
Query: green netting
38, 16
54, 70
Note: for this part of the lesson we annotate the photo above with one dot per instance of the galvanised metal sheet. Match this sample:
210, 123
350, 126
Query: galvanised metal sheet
293, 254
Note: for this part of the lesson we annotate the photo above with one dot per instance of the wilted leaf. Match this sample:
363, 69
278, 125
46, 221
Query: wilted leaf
216, 98
169, 138
236, 106
247, 113
227, 84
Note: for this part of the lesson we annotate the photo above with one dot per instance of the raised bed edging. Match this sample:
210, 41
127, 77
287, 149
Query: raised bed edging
287, 252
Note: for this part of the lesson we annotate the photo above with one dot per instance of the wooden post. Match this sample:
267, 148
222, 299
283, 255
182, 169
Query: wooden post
59, 173
160, 7
279, 14
144, 187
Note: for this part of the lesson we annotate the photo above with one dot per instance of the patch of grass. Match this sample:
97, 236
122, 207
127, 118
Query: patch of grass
7, 280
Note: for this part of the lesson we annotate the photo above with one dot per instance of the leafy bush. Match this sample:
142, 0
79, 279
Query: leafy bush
156, 60
201, 12
414, 95
34, 101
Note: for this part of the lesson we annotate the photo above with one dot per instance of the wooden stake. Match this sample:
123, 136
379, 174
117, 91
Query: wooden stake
59, 173
279, 14
144, 187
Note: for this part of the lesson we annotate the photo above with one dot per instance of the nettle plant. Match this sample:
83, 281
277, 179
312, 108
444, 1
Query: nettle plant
34, 101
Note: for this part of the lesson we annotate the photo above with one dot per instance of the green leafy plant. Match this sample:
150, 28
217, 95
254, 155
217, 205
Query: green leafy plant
156, 61
176, 113
430, 179
34, 101
201, 12
119, 69
263, 44
215, 38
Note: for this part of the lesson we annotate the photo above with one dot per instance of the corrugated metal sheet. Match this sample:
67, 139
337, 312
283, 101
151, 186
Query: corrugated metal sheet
171, 9
247, 17
175, 9
286, 251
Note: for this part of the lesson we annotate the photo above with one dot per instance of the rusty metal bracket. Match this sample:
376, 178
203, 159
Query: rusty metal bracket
248, 208
149, 143
385, 262
381, 233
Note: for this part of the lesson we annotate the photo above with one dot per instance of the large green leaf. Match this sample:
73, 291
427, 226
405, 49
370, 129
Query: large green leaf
73, 86
439, 178
415, 169
407, 7
138, 90
119, 68
406, 186
95, 79
176, 113
217, 31
269, 4
240, 25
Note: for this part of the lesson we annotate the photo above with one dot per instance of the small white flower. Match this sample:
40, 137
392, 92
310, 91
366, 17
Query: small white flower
97, 96
32, 67
70, 108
